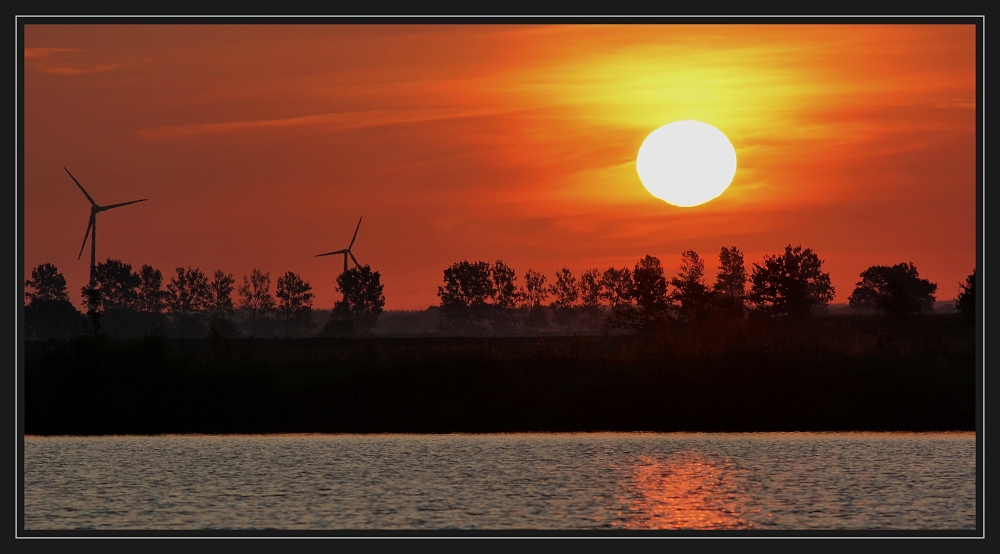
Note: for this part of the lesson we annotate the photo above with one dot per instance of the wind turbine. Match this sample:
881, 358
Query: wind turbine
347, 252
92, 227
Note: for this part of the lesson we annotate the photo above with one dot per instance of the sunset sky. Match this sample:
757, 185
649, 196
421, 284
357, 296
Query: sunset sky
262, 145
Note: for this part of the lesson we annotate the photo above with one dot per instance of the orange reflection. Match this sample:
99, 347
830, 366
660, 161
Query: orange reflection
685, 491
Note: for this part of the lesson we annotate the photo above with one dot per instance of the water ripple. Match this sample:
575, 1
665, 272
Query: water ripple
520, 481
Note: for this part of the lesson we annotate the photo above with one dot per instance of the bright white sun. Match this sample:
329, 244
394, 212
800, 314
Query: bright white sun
686, 163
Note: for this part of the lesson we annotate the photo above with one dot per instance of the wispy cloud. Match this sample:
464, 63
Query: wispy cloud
42, 53
64, 61
62, 70
956, 105
333, 121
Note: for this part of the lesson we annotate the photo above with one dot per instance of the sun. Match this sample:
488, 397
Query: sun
686, 163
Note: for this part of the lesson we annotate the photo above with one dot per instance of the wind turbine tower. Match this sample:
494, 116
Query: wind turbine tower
347, 252
92, 228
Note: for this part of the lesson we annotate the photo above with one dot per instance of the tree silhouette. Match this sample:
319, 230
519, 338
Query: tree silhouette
566, 297
362, 305
124, 302
92, 299
221, 292
120, 301
146, 315
896, 291
188, 291
188, 297
791, 284
465, 296
730, 282
151, 296
295, 300
650, 293
690, 293
590, 296
617, 290
505, 297
47, 283
117, 284
220, 305
255, 298
617, 287
533, 295
966, 302
49, 312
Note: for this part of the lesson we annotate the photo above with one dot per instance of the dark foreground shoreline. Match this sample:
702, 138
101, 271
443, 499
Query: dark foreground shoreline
825, 374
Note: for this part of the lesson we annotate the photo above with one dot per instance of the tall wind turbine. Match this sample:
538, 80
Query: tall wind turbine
347, 251
92, 227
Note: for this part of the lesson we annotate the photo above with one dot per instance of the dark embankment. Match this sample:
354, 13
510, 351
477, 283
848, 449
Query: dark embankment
833, 373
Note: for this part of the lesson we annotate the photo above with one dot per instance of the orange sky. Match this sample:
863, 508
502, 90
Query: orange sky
261, 145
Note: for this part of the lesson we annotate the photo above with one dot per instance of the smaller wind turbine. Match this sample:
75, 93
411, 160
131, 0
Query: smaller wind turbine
92, 227
347, 251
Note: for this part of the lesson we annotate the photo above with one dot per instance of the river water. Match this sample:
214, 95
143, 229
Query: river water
778, 481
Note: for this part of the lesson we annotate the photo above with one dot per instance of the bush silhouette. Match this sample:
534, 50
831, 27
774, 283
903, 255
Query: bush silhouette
896, 291
966, 303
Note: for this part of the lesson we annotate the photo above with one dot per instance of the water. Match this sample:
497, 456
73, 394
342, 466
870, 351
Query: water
522, 481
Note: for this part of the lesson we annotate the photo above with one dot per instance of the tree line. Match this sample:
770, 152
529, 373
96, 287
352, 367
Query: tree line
125, 302
476, 297
480, 297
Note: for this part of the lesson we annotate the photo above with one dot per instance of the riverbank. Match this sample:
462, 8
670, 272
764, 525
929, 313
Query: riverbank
824, 374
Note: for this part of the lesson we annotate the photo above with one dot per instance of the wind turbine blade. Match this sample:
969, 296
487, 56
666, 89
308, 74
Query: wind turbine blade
85, 236
356, 264
332, 253
355, 233
81, 188
105, 208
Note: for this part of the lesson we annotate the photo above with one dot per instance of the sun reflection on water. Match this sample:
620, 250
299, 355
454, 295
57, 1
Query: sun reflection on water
685, 491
